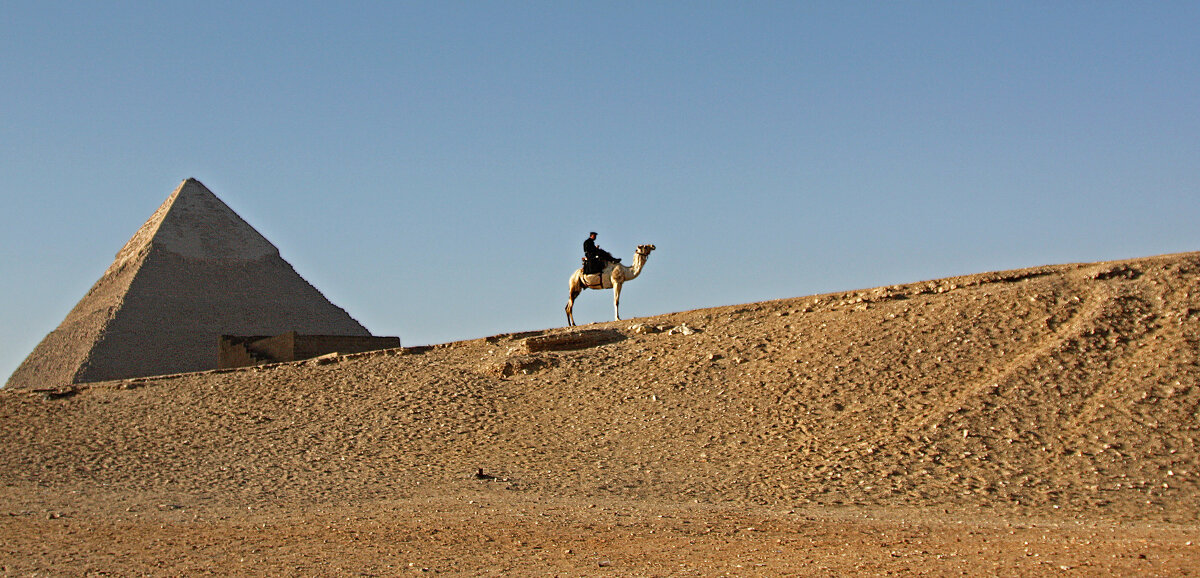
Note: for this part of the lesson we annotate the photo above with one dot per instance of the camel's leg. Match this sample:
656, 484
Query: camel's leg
575, 289
617, 300
570, 306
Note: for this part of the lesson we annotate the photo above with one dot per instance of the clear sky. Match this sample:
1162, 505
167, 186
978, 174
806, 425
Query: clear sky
434, 167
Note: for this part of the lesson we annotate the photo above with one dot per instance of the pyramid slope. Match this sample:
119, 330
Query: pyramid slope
194, 271
60, 355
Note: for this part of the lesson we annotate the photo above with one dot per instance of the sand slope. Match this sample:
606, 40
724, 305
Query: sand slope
1019, 422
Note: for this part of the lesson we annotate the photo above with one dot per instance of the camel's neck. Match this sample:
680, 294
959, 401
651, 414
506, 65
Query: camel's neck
639, 261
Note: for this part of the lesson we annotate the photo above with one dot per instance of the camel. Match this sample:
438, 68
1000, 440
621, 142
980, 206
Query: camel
613, 276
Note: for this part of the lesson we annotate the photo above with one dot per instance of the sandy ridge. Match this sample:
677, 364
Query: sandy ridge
1053, 406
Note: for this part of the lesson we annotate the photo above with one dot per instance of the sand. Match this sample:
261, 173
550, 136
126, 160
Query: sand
1033, 422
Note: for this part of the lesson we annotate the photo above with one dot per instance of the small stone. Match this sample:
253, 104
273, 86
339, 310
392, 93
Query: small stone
327, 359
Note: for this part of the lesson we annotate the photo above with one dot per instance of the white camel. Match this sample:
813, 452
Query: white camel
613, 276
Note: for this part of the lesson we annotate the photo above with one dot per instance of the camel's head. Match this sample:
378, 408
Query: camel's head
644, 250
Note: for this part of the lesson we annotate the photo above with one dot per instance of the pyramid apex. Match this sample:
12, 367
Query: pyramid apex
191, 185
194, 223
193, 181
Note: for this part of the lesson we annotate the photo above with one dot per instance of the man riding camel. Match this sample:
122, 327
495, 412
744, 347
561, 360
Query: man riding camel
594, 258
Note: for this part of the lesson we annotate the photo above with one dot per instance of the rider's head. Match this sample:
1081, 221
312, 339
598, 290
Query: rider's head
592, 234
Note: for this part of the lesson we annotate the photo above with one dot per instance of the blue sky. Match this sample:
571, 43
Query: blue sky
433, 167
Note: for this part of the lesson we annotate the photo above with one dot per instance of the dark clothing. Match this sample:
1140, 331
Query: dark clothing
594, 258
591, 251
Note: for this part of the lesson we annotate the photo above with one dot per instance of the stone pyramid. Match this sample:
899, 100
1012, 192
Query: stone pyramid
193, 272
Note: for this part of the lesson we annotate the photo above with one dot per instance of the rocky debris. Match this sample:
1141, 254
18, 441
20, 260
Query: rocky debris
644, 329
648, 329
580, 339
52, 394
520, 364
1116, 272
327, 359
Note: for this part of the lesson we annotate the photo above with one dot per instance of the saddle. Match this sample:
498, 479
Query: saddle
597, 266
593, 272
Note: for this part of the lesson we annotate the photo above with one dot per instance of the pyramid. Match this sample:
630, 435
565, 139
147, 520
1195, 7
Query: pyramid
193, 272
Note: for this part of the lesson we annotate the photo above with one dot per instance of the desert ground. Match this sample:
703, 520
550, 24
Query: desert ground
1036, 422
